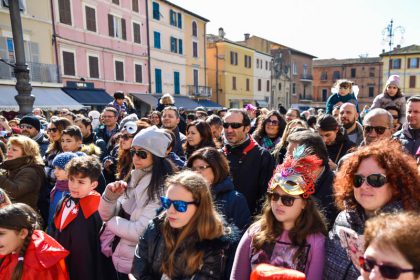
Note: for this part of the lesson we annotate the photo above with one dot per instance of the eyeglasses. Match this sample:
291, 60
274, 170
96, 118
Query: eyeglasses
378, 129
179, 205
285, 199
52, 129
373, 180
140, 153
200, 168
387, 271
234, 125
125, 137
26, 126
273, 122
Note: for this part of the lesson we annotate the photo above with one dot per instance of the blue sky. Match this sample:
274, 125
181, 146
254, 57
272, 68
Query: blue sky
326, 29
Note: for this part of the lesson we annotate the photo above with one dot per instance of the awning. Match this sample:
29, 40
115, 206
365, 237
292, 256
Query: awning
89, 96
146, 98
185, 102
46, 98
210, 105
262, 103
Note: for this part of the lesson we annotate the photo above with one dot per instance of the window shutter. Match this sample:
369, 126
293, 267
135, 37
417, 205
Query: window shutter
179, 20
111, 25
135, 4
180, 46
156, 13
64, 11
119, 70
68, 64
417, 63
139, 73
412, 81
124, 29
93, 67
136, 31
90, 19
34, 49
171, 17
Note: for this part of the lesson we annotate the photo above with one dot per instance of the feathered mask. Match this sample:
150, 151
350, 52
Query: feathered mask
297, 174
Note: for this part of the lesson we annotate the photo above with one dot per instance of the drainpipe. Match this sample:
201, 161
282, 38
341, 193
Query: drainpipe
54, 39
205, 56
217, 74
148, 46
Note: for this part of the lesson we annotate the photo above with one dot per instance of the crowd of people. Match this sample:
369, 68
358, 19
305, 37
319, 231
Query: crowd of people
229, 194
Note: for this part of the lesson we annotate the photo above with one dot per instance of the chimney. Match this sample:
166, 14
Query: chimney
221, 33
246, 36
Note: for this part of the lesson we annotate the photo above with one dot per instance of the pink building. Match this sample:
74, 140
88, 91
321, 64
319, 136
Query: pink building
104, 42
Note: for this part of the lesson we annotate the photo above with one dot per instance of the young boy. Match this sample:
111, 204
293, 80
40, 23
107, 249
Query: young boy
77, 222
344, 94
71, 139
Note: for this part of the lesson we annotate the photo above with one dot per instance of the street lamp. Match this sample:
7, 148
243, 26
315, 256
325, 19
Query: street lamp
389, 34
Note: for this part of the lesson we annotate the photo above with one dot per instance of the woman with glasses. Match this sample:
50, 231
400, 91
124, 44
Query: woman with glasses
127, 207
198, 136
269, 133
214, 167
377, 178
189, 239
291, 230
392, 251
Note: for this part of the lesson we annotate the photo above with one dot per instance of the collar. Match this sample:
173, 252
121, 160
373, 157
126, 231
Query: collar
248, 146
38, 136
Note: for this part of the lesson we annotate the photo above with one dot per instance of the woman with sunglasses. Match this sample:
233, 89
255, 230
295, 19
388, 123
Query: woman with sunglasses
269, 133
392, 251
189, 239
128, 207
291, 230
377, 178
214, 167
198, 136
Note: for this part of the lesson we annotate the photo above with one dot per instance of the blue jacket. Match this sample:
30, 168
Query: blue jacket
410, 138
231, 204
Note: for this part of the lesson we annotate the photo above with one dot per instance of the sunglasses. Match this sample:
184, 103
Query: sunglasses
373, 180
200, 168
285, 199
179, 205
387, 271
273, 122
126, 137
140, 153
53, 130
25, 126
378, 129
234, 125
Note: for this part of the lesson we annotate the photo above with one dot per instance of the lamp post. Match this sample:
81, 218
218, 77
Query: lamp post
24, 98
389, 34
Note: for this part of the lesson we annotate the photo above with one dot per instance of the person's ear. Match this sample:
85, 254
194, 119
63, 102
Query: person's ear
93, 185
23, 233
247, 129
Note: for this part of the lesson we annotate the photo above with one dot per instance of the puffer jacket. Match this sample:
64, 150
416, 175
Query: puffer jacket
383, 100
22, 180
151, 250
133, 202
337, 263
410, 138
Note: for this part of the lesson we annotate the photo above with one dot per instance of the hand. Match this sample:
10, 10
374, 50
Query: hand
107, 164
117, 187
332, 165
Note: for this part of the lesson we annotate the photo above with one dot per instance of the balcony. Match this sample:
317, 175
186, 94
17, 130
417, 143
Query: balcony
305, 97
306, 78
199, 91
39, 72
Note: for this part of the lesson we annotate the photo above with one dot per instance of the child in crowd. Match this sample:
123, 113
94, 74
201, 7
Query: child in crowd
27, 253
392, 96
345, 94
61, 187
71, 139
4, 199
77, 222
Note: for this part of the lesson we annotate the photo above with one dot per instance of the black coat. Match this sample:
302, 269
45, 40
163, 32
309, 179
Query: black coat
341, 146
251, 172
150, 252
324, 195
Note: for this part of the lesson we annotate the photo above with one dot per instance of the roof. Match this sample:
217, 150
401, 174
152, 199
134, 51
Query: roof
339, 62
413, 49
185, 10
211, 38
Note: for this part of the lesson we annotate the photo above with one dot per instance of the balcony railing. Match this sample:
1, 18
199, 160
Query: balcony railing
306, 77
305, 97
199, 91
39, 72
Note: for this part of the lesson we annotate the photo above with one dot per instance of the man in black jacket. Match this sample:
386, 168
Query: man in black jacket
251, 166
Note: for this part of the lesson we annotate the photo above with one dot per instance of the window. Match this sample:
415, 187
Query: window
177, 88
259, 84
372, 72
194, 29
336, 75
395, 63
266, 65
175, 19
353, 72
93, 67
90, 14
117, 27
233, 58
156, 12
158, 80
64, 11
68, 64
180, 51
139, 73
176, 45
247, 84
324, 76
324, 95
294, 88
247, 60
234, 83
294, 69
195, 49
268, 86
119, 70
413, 63
195, 79
279, 86
117, 2
258, 63
179, 20
412, 82
135, 5
136, 33
371, 91
156, 40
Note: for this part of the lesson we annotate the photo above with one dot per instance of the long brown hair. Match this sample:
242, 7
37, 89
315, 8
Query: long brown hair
60, 124
204, 130
206, 224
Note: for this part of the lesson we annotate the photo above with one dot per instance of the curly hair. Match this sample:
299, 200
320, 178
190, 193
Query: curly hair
260, 131
29, 147
400, 170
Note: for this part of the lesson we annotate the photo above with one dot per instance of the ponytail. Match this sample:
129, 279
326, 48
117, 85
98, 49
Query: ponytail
18, 271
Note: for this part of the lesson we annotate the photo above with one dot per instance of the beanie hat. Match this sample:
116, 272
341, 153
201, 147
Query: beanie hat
119, 95
31, 120
154, 140
62, 159
326, 123
393, 80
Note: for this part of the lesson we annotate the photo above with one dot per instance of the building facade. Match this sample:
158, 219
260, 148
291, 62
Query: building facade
366, 73
404, 62
262, 79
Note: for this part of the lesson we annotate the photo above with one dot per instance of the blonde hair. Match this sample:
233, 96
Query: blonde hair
167, 99
29, 147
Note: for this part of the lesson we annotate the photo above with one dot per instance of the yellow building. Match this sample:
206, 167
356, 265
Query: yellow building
404, 62
230, 72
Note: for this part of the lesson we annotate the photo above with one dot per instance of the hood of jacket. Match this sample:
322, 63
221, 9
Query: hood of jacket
225, 186
18, 163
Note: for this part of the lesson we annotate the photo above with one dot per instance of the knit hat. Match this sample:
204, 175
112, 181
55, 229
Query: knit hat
62, 159
154, 140
119, 95
31, 120
393, 80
